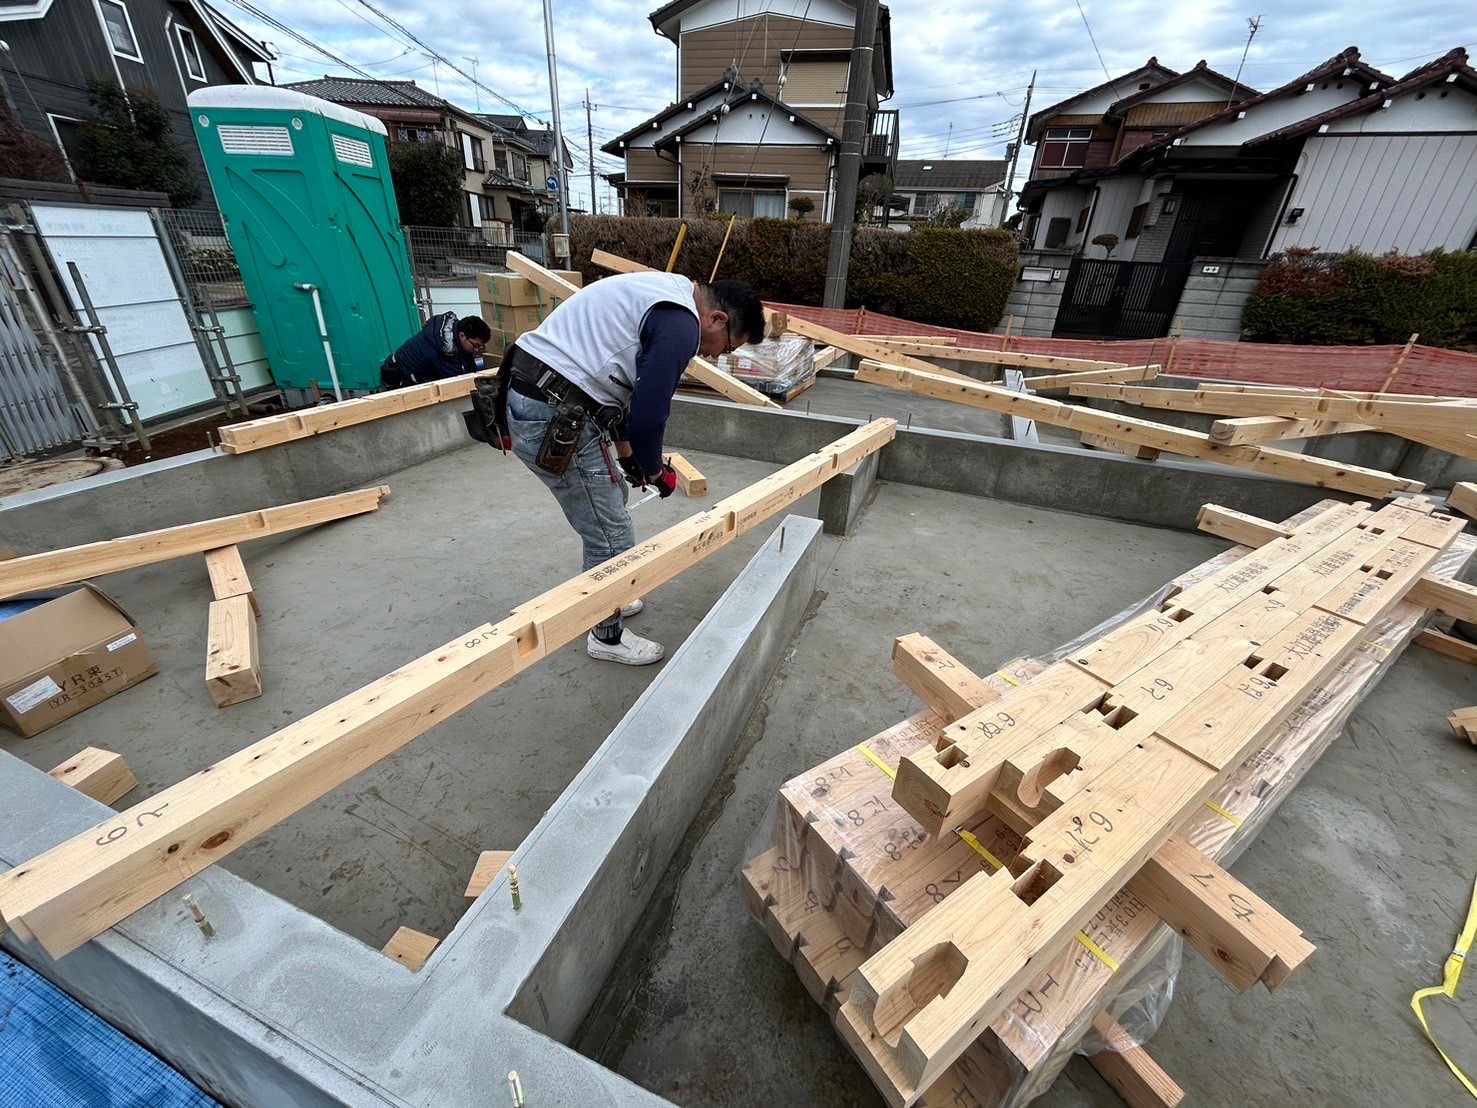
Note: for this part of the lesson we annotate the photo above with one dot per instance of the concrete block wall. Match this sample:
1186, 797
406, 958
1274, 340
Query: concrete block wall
1034, 303
1211, 305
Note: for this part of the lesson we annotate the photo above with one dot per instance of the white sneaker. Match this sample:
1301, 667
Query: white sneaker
634, 608
632, 650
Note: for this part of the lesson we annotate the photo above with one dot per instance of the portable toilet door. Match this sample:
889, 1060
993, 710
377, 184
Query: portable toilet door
304, 187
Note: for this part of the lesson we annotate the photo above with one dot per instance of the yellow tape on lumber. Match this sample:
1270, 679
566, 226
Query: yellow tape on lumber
1218, 810
878, 762
1008, 677
1098, 952
979, 848
1450, 978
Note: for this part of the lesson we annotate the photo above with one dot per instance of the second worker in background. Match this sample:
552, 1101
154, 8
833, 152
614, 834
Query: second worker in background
587, 398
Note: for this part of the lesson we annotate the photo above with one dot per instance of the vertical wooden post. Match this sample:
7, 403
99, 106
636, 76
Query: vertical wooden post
1174, 346
1005, 340
1400, 362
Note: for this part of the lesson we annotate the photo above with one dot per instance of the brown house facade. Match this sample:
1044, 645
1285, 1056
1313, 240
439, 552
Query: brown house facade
753, 138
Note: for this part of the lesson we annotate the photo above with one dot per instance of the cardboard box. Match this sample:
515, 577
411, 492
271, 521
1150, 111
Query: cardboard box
72, 650
513, 291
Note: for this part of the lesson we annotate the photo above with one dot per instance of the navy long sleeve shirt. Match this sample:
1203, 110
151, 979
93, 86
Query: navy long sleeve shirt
669, 340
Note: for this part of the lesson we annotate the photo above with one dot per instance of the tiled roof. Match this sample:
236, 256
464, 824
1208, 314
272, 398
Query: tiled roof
357, 90
942, 174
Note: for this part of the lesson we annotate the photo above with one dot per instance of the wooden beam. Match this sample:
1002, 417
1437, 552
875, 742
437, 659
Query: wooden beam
1464, 498
79, 563
490, 863
1132, 449
228, 575
1242, 936
1464, 724
1246, 429
915, 340
1450, 645
924, 349
1455, 598
1104, 376
936, 678
689, 478
699, 368
256, 434
1239, 527
1176, 440
100, 774
927, 995
233, 667
81, 887
606, 260
1126, 1066
411, 948
1456, 417
828, 356
865, 348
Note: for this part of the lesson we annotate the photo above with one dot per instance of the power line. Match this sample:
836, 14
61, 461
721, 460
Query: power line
1093, 40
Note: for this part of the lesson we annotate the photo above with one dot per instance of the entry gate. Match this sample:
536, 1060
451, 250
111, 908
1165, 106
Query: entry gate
1126, 300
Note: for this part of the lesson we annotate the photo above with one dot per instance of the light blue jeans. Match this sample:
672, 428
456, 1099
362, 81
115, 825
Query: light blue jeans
594, 504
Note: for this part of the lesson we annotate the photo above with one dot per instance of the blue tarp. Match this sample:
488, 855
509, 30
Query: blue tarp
54, 1053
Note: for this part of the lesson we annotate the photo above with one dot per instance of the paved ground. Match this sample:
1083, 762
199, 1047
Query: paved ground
1370, 856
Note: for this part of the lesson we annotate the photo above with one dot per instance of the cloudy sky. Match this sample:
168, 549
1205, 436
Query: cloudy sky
961, 67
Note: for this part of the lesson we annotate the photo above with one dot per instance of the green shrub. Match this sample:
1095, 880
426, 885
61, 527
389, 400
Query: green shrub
933, 275
1356, 299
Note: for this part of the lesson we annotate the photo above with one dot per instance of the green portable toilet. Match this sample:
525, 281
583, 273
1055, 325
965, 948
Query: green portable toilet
304, 186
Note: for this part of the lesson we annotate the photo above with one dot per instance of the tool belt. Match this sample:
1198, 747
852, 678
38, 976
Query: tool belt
573, 408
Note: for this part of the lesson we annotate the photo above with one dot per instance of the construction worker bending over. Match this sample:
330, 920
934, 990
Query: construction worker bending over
444, 347
598, 374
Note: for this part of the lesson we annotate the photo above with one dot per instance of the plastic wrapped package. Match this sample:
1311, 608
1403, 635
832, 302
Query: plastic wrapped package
779, 367
840, 869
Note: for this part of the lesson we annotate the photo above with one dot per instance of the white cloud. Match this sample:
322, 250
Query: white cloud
965, 64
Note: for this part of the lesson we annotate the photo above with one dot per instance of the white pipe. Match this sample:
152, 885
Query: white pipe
323, 332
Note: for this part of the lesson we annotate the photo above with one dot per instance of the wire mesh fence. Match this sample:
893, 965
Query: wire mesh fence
455, 255
206, 257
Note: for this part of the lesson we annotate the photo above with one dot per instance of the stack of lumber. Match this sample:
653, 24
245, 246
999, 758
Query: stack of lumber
967, 890
512, 305
1464, 722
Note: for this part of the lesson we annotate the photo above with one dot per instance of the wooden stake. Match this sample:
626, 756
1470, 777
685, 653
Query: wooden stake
1005, 339
411, 948
1174, 347
233, 668
1400, 361
100, 774
713, 276
677, 247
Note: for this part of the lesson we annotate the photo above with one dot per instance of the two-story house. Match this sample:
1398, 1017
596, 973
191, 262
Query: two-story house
519, 168
170, 47
922, 187
411, 114
1072, 194
760, 100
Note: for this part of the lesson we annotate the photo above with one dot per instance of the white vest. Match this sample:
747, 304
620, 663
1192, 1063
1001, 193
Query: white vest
593, 338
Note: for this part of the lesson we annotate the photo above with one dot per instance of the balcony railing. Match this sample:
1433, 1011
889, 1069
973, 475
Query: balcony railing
880, 149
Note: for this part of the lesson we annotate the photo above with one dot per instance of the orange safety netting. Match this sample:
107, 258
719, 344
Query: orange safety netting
1427, 370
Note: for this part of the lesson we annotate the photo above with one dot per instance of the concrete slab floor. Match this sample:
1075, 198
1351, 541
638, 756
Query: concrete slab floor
1364, 855
461, 540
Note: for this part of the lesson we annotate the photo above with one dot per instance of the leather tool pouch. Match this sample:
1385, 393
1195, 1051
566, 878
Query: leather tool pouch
562, 438
488, 420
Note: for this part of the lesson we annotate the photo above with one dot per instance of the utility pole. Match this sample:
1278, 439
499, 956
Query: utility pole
1015, 150
558, 131
590, 149
849, 164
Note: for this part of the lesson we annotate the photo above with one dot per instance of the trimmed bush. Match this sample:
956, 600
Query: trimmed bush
1360, 299
933, 275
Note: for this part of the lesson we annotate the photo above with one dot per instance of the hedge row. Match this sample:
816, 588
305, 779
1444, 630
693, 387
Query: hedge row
946, 277
1356, 298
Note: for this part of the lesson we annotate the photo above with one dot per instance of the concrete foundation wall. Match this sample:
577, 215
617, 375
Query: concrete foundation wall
278, 1008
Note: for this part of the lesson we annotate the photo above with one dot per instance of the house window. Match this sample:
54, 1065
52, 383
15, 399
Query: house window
1057, 231
472, 154
190, 49
119, 28
1082, 219
1065, 147
753, 203
1136, 221
416, 134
